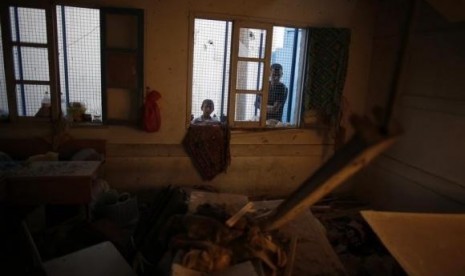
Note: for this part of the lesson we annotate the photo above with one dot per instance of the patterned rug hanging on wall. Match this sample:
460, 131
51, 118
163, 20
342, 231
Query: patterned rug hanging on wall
208, 148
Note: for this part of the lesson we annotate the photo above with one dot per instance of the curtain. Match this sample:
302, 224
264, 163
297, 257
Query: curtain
328, 52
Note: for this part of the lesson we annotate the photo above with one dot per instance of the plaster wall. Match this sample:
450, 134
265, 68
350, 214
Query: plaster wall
271, 163
423, 171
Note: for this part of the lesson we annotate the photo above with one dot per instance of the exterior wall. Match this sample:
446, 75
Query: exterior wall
424, 169
269, 163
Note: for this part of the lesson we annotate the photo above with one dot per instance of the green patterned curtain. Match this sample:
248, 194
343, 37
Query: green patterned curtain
328, 52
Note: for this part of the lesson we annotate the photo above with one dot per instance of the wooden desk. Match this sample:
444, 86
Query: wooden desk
49, 182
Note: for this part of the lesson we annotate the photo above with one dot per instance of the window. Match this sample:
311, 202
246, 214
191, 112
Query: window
77, 85
3, 96
231, 66
79, 58
31, 60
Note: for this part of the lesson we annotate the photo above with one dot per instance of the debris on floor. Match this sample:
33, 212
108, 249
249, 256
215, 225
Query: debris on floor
357, 246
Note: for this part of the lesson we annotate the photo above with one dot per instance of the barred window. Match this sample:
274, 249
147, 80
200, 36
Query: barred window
4, 111
39, 79
79, 58
232, 66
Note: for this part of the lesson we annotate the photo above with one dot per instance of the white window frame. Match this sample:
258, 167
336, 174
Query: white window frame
237, 25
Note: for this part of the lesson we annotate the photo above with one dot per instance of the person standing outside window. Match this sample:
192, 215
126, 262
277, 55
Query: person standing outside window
277, 94
207, 108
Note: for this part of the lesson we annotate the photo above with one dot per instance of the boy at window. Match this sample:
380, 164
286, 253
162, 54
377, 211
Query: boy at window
207, 107
277, 94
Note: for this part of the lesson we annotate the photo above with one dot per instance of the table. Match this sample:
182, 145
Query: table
52, 182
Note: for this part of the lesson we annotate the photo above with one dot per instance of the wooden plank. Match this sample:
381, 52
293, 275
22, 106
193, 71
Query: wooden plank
238, 215
312, 246
423, 244
366, 144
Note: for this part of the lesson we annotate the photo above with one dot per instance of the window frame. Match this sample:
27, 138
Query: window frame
138, 52
53, 59
249, 22
10, 78
266, 72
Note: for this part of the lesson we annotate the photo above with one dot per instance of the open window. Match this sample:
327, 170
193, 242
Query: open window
231, 63
78, 31
71, 71
28, 70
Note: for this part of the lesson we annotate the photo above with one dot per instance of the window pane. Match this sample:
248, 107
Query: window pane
3, 97
28, 25
79, 57
252, 43
245, 108
210, 76
249, 75
121, 31
34, 63
29, 98
288, 50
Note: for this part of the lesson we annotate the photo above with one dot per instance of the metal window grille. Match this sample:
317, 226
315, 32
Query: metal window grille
30, 98
28, 25
288, 50
212, 40
79, 57
212, 53
3, 96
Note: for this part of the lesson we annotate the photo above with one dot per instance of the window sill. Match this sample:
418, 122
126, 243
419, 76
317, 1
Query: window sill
88, 125
284, 129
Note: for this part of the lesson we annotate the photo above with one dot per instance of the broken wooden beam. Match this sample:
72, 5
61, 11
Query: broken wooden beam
367, 143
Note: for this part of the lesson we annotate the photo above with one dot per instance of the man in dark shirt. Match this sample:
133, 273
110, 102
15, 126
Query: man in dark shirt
277, 94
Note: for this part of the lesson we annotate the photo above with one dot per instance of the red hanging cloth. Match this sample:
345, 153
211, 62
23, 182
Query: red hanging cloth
152, 118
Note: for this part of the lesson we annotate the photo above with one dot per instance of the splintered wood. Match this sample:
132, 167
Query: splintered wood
237, 216
368, 142
227, 236
237, 246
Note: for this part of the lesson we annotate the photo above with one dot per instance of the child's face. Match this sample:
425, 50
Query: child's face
207, 108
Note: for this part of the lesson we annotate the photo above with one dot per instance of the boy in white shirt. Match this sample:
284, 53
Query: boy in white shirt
207, 107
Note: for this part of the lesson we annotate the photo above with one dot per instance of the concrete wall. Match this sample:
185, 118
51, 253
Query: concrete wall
271, 163
424, 171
